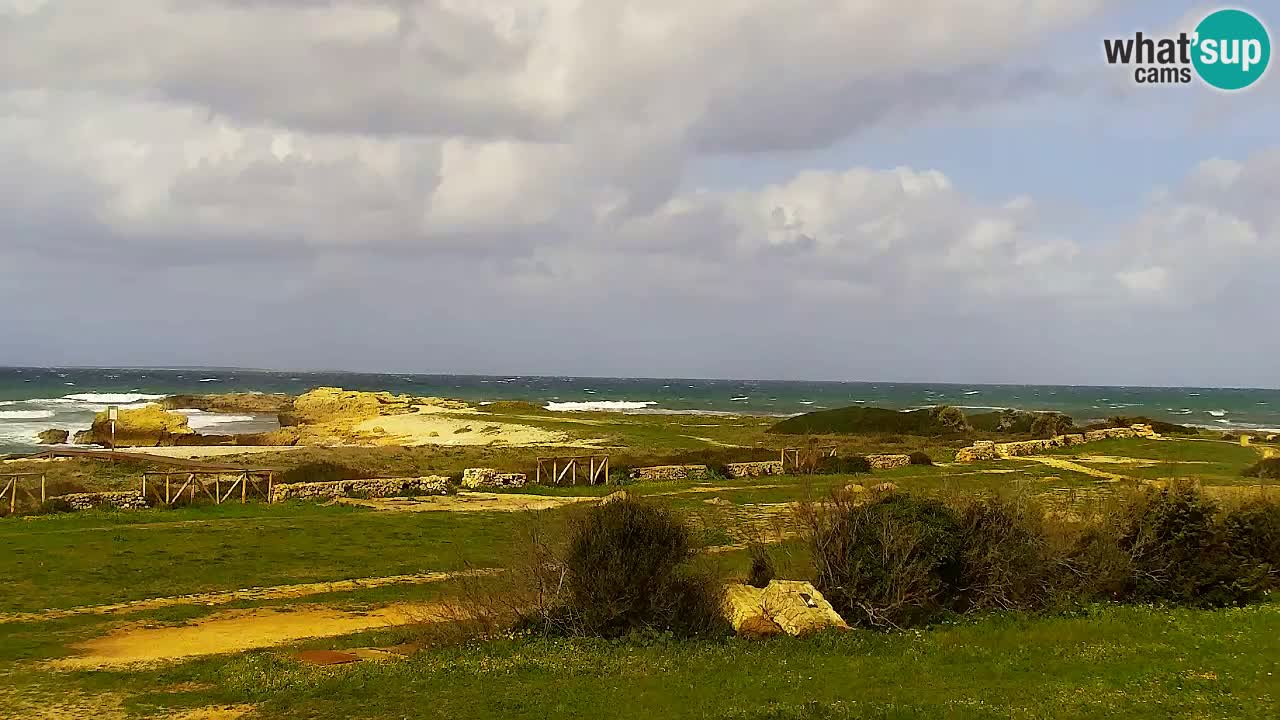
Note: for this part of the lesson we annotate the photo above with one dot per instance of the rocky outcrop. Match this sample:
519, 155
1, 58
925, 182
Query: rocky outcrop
242, 403
754, 469
888, 462
669, 473
614, 497
115, 500
148, 426
376, 488
54, 437
784, 606
885, 488
490, 478
327, 405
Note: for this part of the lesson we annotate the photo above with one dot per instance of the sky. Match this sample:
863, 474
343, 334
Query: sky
935, 191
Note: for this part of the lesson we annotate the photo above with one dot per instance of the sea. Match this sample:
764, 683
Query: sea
37, 399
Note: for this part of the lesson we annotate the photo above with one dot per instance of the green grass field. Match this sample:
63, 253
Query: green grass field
1106, 661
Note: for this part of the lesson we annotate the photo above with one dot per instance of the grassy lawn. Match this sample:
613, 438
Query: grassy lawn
95, 558
1133, 662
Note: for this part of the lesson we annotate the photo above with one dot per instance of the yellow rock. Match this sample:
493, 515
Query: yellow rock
148, 426
798, 608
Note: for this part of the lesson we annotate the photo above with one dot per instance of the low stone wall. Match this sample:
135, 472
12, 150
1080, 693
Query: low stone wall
489, 478
118, 500
754, 469
988, 450
980, 450
888, 462
669, 473
377, 488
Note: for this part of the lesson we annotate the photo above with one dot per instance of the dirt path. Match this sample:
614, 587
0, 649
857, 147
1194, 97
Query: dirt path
471, 502
237, 631
221, 598
67, 704
1069, 466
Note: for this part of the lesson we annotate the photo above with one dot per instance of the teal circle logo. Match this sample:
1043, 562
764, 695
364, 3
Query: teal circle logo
1232, 49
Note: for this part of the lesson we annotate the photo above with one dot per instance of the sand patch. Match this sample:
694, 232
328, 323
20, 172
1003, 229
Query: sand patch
237, 631
470, 502
1069, 466
430, 427
67, 704
714, 489
190, 453
1140, 462
278, 592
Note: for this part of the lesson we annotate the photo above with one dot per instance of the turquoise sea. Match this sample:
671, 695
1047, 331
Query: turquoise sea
36, 399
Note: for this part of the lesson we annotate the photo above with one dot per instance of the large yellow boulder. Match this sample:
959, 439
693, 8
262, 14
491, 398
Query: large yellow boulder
327, 404
148, 426
790, 606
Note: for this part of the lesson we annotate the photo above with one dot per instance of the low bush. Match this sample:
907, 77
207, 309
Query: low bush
54, 506
1180, 552
762, 568
853, 465
323, 471
1252, 534
626, 566
860, 420
1268, 469
1007, 562
894, 562
920, 458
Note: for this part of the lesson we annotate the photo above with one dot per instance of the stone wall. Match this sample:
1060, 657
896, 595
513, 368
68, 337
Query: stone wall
754, 469
489, 478
669, 473
888, 462
988, 450
377, 488
119, 500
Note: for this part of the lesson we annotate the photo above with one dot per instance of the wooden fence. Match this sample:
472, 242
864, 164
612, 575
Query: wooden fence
792, 458
13, 482
554, 470
165, 487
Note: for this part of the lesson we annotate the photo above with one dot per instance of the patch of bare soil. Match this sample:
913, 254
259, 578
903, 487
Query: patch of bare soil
1140, 462
237, 631
66, 704
470, 502
715, 489
1069, 466
221, 598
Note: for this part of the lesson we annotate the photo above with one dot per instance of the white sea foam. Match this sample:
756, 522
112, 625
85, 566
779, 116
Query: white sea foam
1218, 413
113, 398
199, 420
25, 414
211, 380
599, 405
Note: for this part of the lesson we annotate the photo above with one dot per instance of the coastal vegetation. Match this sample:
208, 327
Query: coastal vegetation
1131, 575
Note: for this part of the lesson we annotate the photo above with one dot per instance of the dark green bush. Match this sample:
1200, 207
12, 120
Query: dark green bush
920, 458
54, 505
835, 465
626, 568
1051, 424
1252, 534
762, 569
860, 420
323, 471
1007, 563
1180, 553
1268, 469
894, 562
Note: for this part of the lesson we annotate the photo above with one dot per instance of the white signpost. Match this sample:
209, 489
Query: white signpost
113, 414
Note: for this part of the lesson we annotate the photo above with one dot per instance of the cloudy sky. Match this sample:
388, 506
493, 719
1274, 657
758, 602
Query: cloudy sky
937, 190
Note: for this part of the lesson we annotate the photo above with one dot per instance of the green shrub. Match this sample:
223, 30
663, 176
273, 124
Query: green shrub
1051, 424
920, 458
323, 471
1268, 469
894, 562
1006, 558
860, 420
762, 568
55, 505
626, 568
1180, 553
836, 465
1252, 534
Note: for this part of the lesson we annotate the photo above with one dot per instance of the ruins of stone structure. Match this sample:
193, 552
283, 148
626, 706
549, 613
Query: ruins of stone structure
488, 478
377, 488
119, 500
669, 473
888, 462
990, 450
754, 469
